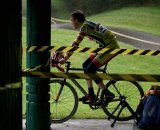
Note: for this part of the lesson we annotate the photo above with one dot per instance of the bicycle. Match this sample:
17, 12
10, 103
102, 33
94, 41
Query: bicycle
64, 98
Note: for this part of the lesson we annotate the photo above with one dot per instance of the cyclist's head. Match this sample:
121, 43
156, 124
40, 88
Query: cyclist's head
77, 18
79, 15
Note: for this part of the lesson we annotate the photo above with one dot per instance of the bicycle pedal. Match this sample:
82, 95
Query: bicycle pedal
98, 103
104, 104
86, 102
89, 102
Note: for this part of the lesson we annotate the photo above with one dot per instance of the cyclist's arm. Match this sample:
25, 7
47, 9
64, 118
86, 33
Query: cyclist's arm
75, 43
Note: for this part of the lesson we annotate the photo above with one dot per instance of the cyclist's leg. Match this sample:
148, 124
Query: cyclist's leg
94, 62
85, 65
91, 66
89, 82
101, 60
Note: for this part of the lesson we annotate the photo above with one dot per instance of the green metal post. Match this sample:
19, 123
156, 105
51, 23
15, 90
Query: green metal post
11, 66
38, 33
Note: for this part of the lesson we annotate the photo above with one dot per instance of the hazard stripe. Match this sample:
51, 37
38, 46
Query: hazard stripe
85, 49
44, 48
156, 52
48, 49
132, 52
72, 49
119, 51
108, 51
97, 50
151, 52
126, 77
103, 50
125, 52
32, 48
11, 86
61, 48
94, 50
78, 50
145, 52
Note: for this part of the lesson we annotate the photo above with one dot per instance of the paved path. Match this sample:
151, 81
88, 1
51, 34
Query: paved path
92, 124
137, 38
135, 35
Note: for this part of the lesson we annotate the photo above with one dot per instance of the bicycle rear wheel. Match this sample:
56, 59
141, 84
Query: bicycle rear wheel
66, 105
131, 92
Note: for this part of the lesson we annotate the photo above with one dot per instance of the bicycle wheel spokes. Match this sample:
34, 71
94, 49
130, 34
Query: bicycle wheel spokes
131, 92
66, 105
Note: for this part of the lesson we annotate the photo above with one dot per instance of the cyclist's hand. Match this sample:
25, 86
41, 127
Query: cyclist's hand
57, 56
57, 60
62, 60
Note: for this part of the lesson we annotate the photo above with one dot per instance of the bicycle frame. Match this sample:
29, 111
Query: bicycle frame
79, 86
113, 109
68, 68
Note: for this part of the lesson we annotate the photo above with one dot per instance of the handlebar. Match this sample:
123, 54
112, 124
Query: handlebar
57, 64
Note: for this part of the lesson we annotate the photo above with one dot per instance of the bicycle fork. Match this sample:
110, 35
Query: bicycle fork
60, 90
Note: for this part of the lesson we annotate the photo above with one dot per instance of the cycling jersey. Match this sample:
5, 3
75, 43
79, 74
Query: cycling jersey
101, 34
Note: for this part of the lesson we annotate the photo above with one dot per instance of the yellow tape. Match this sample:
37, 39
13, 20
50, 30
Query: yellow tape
11, 86
94, 50
2, 88
128, 77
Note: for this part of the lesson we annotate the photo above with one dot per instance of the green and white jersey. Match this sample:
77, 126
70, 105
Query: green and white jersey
97, 32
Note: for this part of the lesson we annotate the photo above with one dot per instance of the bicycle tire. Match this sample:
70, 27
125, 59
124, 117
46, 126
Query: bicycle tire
131, 90
63, 109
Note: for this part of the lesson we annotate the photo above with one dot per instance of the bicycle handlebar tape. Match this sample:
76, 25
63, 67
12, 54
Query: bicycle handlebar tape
10, 67
38, 33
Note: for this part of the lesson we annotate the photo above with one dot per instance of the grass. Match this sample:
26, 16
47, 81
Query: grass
144, 19
121, 64
60, 9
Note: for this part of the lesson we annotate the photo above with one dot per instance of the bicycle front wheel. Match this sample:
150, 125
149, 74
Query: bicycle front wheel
131, 92
63, 101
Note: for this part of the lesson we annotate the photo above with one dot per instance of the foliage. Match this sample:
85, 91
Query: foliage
61, 8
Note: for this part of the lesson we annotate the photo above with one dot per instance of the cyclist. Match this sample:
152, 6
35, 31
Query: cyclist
105, 38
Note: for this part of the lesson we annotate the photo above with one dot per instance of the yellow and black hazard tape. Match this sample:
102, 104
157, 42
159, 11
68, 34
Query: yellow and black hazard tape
127, 77
93, 50
11, 86
38, 67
